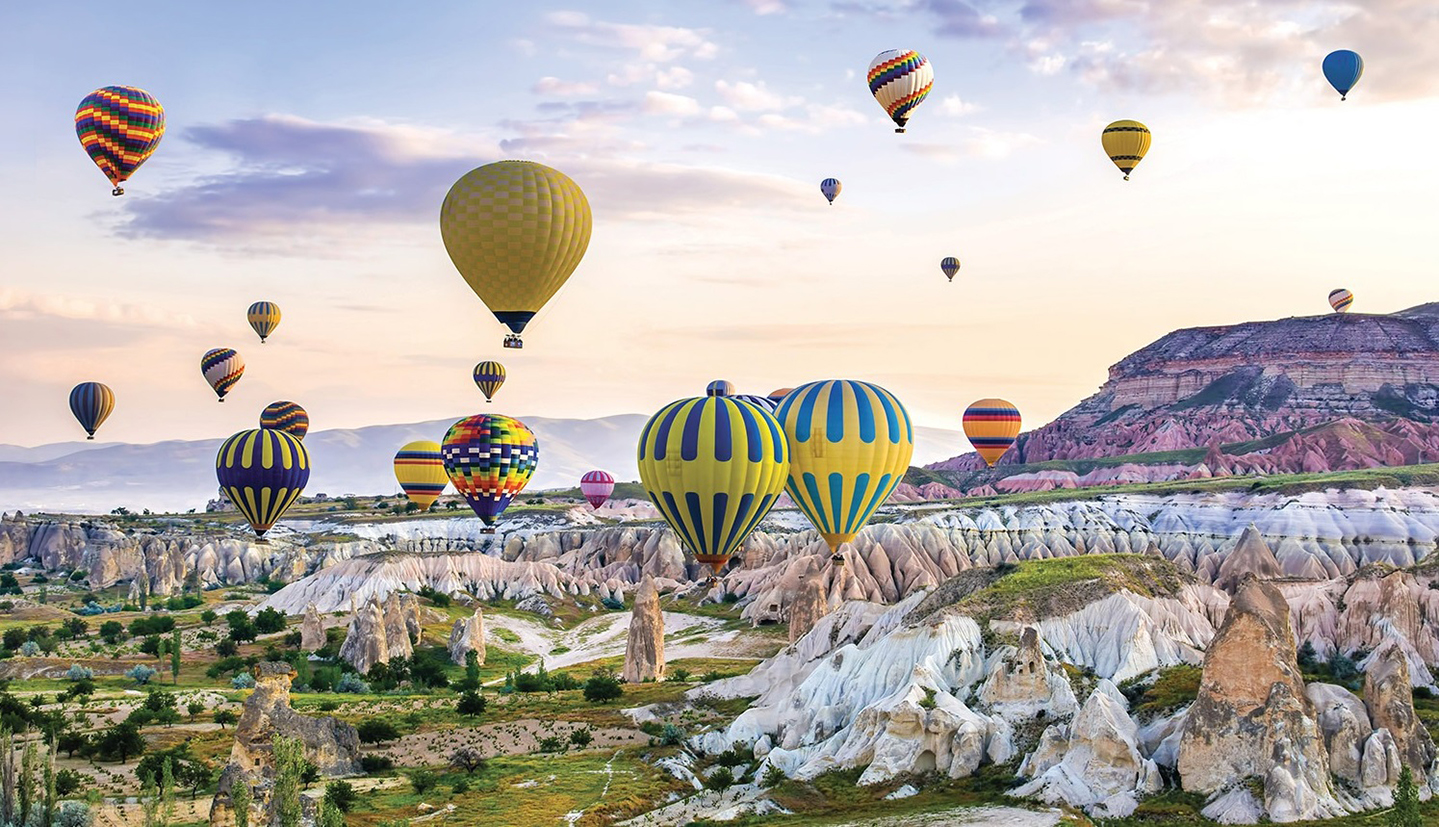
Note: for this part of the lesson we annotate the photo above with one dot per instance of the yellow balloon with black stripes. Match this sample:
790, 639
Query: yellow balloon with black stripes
850, 445
714, 467
1125, 142
262, 471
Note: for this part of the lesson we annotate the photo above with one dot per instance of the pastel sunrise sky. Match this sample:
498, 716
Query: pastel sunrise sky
309, 147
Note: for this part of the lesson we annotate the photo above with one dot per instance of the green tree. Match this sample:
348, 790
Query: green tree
471, 703
329, 815
269, 621
194, 708
375, 730
175, 657
289, 772
25, 791
167, 791
120, 742
603, 687
240, 798
1405, 812
342, 795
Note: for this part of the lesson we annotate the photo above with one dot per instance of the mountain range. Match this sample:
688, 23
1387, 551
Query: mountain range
88, 477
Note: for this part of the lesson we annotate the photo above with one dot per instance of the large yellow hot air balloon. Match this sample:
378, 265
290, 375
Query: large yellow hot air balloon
850, 445
1125, 142
515, 230
713, 467
420, 470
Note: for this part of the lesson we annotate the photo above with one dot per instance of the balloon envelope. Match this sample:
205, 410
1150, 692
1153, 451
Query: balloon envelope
263, 317
991, 425
515, 230
286, 416
1343, 69
489, 376
489, 458
830, 188
1340, 300
900, 79
91, 403
120, 128
949, 266
850, 445
764, 403
1125, 142
713, 467
597, 486
420, 470
719, 387
222, 367
263, 472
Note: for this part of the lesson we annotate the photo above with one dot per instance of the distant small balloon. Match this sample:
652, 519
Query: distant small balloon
991, 425
91, 403
830, 187
778, 394
222, 367
1126, 143
597, 486
286, 416
1343, 69
764, 403
1340, 300
949, 266
263, 317
489, 376
719, 387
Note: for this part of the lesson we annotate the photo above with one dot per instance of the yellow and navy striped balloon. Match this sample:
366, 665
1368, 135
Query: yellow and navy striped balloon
713, 467
489, 376
991, 425
263, 472
420, 470
91, 403
1125, 142
1340, 300
851, 443
264, 317
286, 416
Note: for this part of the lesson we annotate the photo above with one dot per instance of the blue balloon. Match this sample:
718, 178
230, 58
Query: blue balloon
1343, 69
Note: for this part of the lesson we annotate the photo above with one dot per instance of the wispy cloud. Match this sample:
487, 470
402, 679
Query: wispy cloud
18, 304
660, 44
560, 88
978, 143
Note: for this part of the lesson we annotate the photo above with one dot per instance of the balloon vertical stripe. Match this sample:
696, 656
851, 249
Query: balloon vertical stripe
489, 376
263, 471
263, 317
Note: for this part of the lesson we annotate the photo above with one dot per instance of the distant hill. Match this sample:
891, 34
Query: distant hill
178, 475
1313, 393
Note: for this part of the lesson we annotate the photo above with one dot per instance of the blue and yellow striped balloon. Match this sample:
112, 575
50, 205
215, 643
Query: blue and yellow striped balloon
263, 317
91, 403
713, 467
851, 443
489, 376
262, 471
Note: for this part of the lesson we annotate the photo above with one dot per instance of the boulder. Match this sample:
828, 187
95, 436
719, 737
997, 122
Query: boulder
467, 636
645, 647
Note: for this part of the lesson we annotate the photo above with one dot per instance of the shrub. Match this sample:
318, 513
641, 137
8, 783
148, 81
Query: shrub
722, 779
671, 736
603, 687
76, 672
463, 785
350, 682
74, 814
141, 674
581, 737
30, 649
244, 680
375, 730
376, 763
341, 794
422, 780
551, 743
772, 776
681, 675
439, 599
471, 704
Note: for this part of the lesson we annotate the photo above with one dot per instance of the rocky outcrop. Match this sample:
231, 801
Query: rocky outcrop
808, 607
468, 635
1022, 683
1389, 698
402, 623
376, 636
312, 630
1094, 762
1251, 557
645, 646
330, 744
1252, 718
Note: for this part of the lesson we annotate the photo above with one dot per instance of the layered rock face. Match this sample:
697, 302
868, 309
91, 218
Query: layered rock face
468, 635
330, 744
645, 646
1252, 718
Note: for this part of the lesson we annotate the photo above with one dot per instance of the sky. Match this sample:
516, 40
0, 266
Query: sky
308, 151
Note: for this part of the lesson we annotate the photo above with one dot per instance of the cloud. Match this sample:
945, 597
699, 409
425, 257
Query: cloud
17, 305
555, 86
304, 183
980, 143
753, 97
763, 7
675, 77
660, 44
665, 103
952, 106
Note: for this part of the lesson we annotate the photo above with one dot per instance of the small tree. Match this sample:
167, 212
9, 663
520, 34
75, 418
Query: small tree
471, 704
225, 717
289, 771
195, 708
175, 657
141, 674
603, 687
329, 815
468, 758
1405, 812
422, 780
240, 797
341, 795
581, 737
375, 730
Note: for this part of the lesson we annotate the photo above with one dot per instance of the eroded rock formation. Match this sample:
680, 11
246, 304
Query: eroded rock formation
645, 646
468, 635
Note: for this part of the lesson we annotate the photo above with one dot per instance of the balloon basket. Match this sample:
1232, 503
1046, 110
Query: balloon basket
118, 191
514, 342
487, 530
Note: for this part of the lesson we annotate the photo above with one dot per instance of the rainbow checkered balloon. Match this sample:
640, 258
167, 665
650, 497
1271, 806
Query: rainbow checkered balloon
489, 459
120, 127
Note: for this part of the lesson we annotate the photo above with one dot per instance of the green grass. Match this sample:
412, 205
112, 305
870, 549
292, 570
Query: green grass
1174, 687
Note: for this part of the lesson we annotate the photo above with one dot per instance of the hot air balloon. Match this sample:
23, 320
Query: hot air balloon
764, 403
719, 387
1343, 69
120, 127
515, 230
489, 376
949, 266
900, 79
91, 403
850, 445
489, 458
420, 470
830, 188
264, 317
713, 467
1338, 299
222, 368
991, 425
286, 416
1125, 142
262, 471
597, 486
778, 394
